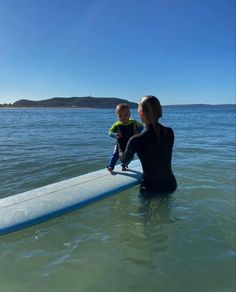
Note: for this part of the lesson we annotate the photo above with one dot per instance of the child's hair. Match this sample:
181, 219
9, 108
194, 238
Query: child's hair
122, 106
153, 112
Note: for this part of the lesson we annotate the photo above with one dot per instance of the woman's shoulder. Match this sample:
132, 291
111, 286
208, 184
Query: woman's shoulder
167, 132
169, 129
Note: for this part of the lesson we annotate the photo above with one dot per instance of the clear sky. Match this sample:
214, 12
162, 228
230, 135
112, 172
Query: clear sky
183, 51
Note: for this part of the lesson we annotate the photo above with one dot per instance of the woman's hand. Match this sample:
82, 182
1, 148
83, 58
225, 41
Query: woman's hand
118, 133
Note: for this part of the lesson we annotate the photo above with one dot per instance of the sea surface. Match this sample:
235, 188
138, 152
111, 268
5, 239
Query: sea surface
185, 242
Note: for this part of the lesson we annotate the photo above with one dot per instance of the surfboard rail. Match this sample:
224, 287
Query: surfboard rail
41, 204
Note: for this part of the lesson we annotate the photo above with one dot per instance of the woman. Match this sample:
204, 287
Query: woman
154, 149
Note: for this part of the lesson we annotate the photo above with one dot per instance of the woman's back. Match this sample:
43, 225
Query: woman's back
155, 156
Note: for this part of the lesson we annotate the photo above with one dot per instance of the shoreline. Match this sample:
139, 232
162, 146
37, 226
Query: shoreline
52, 108
97, 108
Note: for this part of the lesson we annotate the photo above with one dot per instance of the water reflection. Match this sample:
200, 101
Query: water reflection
155, 209
147, 231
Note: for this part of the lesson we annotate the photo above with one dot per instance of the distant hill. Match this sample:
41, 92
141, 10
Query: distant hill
95, 102
74, 102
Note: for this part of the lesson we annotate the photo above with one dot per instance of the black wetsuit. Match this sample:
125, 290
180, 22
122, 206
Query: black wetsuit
127, 130
155, 158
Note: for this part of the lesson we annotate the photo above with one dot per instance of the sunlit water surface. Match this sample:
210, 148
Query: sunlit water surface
185, 242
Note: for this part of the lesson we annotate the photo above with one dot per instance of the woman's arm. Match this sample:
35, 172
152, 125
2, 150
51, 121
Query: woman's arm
128, 154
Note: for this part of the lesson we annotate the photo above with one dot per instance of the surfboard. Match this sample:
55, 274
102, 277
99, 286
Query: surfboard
38, 205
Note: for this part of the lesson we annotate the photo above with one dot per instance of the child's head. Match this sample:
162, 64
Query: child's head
123, 112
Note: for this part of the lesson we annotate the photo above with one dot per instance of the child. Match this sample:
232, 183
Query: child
122, 130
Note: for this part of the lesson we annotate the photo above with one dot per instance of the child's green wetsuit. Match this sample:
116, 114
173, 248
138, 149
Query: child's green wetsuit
127, 130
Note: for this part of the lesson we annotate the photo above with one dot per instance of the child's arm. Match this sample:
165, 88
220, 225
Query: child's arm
112, 134
114, 131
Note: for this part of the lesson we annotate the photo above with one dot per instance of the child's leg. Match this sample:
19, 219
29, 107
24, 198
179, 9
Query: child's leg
114, 158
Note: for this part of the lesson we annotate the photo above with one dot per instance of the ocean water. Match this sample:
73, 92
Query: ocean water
185, 242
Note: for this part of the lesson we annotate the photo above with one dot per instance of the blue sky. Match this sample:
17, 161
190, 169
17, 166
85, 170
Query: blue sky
183, 51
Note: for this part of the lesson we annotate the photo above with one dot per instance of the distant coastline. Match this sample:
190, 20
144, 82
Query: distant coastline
89, 102
229, 105
233, 106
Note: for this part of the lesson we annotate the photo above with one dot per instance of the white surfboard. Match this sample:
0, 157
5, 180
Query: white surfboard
41, 204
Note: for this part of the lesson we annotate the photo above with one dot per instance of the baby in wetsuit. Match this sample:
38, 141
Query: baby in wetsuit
122, 130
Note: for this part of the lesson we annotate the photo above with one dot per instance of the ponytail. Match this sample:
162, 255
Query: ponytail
153, 112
